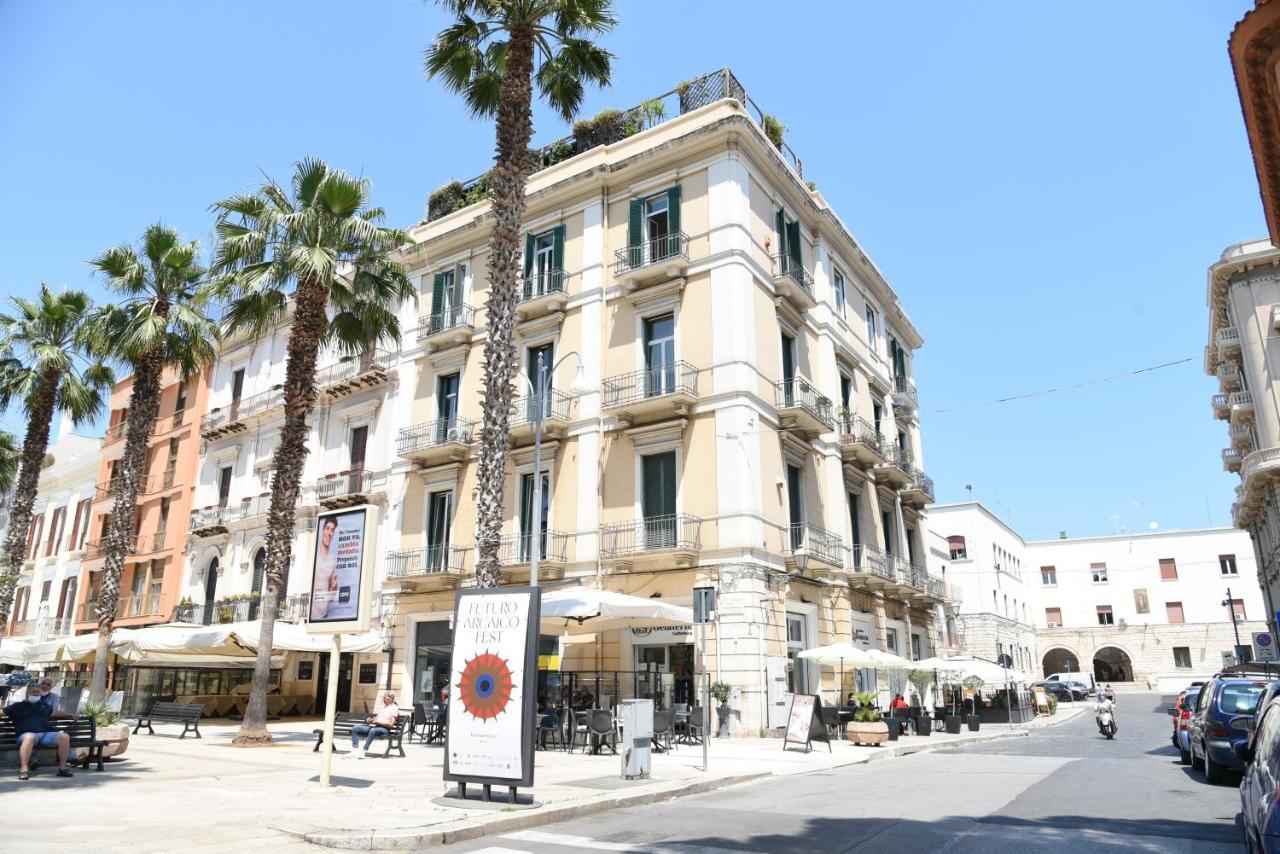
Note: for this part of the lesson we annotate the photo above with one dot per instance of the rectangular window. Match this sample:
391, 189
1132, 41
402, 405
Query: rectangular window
915, 648
1182, 656
359, 445
1168, 569
1053, 617
439, 516
446, 406
797, 670
957, 547
659, 355
891, 640
544, 278
873, 330
1173, 612
1049, 576
1105, 617
526, 515
1099, 572
658, 504
180, 401
224, 486
890, 541
1237, 609
54, 524
837, 282
1227, 564
795, 505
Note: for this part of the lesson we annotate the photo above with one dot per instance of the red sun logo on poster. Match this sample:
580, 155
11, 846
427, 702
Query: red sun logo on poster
485, 686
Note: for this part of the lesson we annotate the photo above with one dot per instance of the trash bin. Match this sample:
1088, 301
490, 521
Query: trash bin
637, 739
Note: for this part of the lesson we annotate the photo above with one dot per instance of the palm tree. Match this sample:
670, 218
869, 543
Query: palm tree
319, 252
160, 323
10, 458
487, 55
48, 362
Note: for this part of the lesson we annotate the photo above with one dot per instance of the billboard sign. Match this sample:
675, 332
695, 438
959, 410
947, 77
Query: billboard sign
342, 570
492, 687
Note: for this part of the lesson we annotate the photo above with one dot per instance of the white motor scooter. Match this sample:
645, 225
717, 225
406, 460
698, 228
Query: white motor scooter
1106, 723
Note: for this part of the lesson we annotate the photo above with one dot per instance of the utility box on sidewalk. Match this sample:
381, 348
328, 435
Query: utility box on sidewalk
637, 739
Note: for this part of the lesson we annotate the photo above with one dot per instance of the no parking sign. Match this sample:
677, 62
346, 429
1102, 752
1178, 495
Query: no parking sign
1264, 646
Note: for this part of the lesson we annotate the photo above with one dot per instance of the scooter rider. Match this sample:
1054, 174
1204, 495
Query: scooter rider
1104, 704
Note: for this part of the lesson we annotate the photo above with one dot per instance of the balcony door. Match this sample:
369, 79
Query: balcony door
856, 529
210, 590
444, 297
526, 515
446, 406
660, 355
542, 267
439, 514
224, 485
788, 370
795, 505
658, 473
237, 391
259, 576
547, 353
359, 444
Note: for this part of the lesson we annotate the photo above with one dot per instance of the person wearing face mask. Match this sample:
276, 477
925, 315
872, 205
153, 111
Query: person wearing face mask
33, 724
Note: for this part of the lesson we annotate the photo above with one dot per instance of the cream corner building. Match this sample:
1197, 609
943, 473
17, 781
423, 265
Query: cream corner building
753, 425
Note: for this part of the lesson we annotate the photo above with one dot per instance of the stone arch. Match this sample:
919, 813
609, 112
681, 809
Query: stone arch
1060, 659
1112, 663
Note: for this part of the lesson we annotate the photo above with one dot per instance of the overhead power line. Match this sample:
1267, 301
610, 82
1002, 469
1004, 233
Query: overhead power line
1055, 389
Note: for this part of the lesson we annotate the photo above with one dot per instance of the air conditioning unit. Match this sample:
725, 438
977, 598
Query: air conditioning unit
1053, 625
455, 435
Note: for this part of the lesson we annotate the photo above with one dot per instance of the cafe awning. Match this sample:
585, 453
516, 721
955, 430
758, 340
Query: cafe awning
585, 610
854, 657
13, 652
962, 667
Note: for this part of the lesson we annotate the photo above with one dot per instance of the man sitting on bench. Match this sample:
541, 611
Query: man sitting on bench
375, 725
33, 723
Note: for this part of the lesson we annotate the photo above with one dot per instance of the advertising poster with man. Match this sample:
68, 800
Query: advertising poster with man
335, 582
491, 687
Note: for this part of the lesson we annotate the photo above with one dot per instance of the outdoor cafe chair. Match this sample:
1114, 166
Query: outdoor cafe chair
663, 723
548, 729
696, 726
602, 731
571, 728
831, 721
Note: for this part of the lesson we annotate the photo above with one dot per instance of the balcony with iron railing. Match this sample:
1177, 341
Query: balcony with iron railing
206, 521
1241, 403
346, 488
450, 325
435, 442
356, 372
1231, 459
860, 441
670, 540
148, 543
516, 550
897, 467
127, 608
871, 565
656, 259
541, 292
240, 608
657, 393
793, 280
802, 407
232, 418
439, 567
94, 549
919, 491
1221, 406
1228, 340
1228, 372
525, 410
1241, 436
115, 433
904, 395
814, 549
249, 511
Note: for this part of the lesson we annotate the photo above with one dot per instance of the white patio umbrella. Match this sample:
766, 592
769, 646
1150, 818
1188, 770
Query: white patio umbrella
585, 610
13, 652
840, 654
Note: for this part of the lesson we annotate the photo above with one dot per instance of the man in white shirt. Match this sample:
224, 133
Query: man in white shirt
375, 725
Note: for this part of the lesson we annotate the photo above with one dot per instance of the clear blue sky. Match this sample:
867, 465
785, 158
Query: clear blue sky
1044, 186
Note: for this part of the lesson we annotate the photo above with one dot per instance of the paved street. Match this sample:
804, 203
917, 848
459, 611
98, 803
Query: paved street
1065, 786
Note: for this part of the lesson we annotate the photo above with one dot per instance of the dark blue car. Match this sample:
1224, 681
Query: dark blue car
1259, 805
1221, 720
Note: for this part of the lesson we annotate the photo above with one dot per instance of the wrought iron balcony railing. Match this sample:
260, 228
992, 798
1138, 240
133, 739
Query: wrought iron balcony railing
447, 318
650, 383
353, 366
239, 609
789, 268
858, 430
444, 431
800, 392
863, 558
677, 531
518, 548
408, 563
663, 248
207, 517
245, 408
555, 405
541, 283
341, 484
817, 543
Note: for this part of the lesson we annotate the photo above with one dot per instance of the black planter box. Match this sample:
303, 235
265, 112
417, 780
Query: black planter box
895, 724
953, 724
974, 721
924, 725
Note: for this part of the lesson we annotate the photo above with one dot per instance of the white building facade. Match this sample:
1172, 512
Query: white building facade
1156, 609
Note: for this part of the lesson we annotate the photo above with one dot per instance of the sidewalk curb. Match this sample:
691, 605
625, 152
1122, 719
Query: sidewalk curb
463, 829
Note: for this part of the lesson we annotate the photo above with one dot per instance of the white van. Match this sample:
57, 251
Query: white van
1085, 679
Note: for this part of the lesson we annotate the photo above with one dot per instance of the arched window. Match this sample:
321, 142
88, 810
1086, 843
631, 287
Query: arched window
957, 546
259, 570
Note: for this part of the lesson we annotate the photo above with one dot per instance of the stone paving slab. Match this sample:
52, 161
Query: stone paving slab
203, 795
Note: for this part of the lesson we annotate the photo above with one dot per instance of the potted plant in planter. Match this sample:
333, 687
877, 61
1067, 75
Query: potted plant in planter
950, 682
108, 728
974, 683
922, 679
868, 726
720, 691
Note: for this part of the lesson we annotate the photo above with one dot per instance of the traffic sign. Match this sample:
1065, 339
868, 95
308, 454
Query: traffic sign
1264, 647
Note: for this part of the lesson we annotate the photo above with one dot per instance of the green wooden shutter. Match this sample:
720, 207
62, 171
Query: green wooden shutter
659, 471
557, 259
526, 515
780, 225
673, 220
635, 232
437, 295
793, 245
528, 253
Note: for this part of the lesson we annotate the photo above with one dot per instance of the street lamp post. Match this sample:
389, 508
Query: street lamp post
1231, 609
578, 386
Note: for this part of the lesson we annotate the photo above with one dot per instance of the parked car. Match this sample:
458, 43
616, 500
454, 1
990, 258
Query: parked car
1221, 719
1259, 795
1181, 713
1084, 680
1055, 689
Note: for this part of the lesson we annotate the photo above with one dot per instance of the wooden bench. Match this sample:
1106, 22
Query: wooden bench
83, 732
346, 721
187, 714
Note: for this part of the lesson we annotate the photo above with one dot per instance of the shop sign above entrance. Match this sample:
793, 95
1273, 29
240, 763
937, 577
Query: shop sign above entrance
662, 634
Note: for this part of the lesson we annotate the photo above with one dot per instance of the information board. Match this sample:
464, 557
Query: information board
804, 722
342, 571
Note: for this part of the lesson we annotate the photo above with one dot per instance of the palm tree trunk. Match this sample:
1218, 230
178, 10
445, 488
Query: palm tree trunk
514, 130
117, 540
299, 398
34, 446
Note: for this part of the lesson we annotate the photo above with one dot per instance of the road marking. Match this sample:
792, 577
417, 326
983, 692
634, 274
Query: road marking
569, 841
495, 850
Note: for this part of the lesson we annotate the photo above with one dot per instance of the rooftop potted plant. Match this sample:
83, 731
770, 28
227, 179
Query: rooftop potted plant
868, 726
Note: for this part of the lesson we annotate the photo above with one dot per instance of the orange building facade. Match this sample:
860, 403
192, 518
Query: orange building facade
152, 579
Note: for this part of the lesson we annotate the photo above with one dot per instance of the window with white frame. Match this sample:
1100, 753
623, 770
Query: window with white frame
1099, 571
837, 284
1227, 565
873, 330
